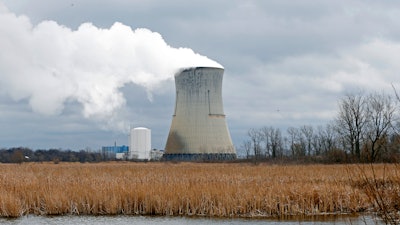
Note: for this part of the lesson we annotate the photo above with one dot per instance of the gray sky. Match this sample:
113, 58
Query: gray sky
287, 63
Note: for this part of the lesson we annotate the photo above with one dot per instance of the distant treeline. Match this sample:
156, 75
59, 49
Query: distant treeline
365, 129
20, 154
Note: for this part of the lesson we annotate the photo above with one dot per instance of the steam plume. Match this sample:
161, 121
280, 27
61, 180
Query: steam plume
49, 64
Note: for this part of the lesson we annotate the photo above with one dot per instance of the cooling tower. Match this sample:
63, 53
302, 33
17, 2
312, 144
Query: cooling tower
198, 129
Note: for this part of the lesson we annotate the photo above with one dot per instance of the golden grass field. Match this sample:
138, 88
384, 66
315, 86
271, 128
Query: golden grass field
187, 189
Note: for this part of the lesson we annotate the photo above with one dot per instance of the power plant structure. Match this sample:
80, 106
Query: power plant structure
140, 143
199, 130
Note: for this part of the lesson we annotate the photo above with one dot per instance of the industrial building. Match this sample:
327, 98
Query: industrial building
199, 130
139, 147
140, 143
118, 152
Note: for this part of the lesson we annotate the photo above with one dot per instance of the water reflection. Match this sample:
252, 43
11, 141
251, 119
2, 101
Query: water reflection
139, 220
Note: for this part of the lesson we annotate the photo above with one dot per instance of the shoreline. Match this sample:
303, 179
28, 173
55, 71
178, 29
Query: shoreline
155, 220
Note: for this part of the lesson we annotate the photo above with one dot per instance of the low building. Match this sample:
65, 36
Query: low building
156, 154
117, 152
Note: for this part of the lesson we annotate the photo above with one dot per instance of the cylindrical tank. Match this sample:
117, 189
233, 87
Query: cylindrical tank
140, 143
198, 129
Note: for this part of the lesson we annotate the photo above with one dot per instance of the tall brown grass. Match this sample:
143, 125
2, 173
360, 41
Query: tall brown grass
382, 187
221, 190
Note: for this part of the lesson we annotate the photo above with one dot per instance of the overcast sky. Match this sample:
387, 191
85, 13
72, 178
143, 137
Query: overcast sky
287, 63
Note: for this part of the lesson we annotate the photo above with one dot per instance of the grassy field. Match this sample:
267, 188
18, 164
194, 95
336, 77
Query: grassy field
187, 189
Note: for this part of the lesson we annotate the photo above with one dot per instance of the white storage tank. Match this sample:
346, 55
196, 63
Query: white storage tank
140, 143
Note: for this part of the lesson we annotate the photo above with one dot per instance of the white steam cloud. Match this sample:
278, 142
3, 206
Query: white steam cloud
50, 64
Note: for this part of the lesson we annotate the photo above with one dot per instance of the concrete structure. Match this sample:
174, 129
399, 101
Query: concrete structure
198, 129
140, 143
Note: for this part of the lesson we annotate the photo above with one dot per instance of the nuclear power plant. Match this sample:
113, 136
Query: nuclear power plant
198, 129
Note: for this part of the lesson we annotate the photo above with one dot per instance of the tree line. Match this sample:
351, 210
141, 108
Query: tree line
20, 154
365, 129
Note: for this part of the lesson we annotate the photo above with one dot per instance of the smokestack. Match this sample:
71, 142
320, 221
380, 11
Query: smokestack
198, 129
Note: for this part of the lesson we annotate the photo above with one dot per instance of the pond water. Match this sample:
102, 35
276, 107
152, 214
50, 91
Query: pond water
145, 220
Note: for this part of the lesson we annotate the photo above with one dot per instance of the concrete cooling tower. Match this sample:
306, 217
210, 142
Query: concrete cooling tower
198, 129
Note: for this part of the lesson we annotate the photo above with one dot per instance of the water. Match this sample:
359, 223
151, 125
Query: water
145, 220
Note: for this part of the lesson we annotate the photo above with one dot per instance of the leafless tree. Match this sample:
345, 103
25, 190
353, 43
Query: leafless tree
297, 142
256, 139
351, 121
292, 139
307, 133
328, 138
247, 146
363, 128
318, 141
266, 139
380, 113
272, 138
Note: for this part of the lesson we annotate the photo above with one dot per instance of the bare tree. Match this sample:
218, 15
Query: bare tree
307, 133
380, 112
266, 139
297, 142
318, 141
292, 139
328, 138
277, 143
256, 138
247, 146
351, 122
272, 138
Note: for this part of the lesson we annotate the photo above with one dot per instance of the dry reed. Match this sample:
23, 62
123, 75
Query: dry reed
187, 189
382, 186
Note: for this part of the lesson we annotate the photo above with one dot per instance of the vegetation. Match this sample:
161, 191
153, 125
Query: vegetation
189, 189
382, 187
20, 155
364, 130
